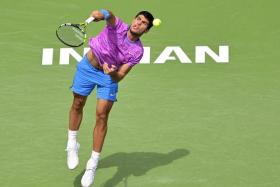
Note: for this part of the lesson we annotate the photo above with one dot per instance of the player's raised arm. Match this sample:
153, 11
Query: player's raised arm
104, 15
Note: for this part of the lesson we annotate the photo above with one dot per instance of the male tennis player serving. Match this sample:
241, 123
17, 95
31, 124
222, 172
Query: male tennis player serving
112, 55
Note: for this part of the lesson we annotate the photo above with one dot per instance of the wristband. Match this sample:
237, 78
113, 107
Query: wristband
105, 13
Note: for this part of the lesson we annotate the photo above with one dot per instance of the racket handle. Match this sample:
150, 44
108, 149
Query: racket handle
90, 19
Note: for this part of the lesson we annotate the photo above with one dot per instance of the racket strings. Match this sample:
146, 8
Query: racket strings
71, 35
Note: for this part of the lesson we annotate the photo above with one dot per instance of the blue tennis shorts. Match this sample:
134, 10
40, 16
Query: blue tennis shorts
87, 77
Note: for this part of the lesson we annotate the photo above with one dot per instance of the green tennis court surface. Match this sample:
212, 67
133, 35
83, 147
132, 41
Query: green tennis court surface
174, 125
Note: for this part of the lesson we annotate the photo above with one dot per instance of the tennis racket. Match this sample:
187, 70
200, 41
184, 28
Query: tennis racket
73, 35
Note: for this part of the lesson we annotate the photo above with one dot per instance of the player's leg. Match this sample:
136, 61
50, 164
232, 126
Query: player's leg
76, 112
106, 95
103, 109
82, 87
75, 118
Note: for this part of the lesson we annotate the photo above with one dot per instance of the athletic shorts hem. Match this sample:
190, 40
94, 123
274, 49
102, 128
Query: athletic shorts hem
79, 93
108, 99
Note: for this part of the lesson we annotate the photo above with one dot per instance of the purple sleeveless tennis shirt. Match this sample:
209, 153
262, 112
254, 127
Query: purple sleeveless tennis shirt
113, 47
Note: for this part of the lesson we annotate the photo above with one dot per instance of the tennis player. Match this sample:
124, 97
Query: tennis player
113, 53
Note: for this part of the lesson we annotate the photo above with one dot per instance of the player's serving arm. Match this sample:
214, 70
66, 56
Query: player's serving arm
113, 53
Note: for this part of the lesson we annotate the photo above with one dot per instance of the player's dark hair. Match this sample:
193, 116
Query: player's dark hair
148, 16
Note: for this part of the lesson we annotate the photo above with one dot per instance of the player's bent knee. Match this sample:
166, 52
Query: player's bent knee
77, 108
78, 105
101, 116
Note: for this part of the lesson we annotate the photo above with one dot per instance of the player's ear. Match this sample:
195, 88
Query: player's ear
147, 29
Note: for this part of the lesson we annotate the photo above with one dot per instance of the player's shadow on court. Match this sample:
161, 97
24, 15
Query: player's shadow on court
136, 164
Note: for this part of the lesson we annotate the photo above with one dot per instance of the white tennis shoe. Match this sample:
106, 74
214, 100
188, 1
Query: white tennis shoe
88, 176
72, 155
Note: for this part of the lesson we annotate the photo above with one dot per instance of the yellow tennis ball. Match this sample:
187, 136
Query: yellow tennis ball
156, 22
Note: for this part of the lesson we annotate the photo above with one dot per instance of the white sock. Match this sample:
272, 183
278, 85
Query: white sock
93, 160
72, 137
95, 155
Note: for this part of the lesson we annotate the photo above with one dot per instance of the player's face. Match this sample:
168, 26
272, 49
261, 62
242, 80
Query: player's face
139, 25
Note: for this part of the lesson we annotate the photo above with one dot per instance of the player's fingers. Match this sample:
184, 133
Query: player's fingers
105, 67
106, 70
114, 67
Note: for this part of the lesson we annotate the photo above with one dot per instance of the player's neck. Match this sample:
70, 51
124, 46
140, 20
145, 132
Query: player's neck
132, 36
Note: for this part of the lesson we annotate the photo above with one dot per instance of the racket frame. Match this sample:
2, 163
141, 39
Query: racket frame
81, 27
